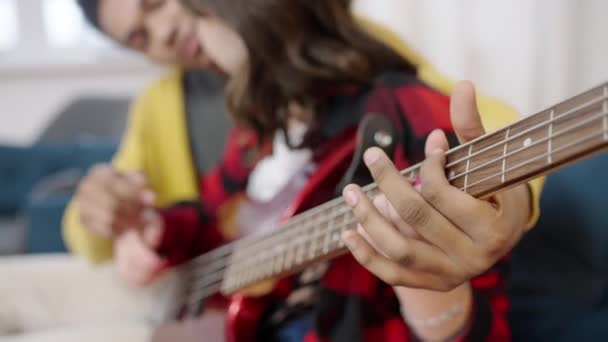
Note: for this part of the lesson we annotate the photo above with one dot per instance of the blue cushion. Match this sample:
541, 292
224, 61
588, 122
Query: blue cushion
559, 279
44, 224
22, 168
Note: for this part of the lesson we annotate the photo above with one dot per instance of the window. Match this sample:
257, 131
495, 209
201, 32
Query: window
37, 34
8, 24
66, 27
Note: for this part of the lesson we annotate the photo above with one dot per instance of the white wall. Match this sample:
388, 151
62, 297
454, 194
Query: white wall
531, 53
38, 78
29, 99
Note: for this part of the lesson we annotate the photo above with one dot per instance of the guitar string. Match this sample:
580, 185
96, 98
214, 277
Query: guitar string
538, 126
256, 239
225, 250
288, 229
215, 285
202, 293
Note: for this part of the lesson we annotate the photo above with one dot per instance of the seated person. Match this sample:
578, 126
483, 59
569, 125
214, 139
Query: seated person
155, 169
183, 231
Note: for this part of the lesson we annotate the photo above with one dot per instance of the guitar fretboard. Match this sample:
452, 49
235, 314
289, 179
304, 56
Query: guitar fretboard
524, 150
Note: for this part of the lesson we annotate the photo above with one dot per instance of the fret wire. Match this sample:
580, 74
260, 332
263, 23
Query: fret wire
310, 241
577, 125
466, 177
292, 248
286, 237
321, 232
277, 260
327, 237
565, 131
289, 254
314, 224
301, 238
317, 233
550, 142
226, 249
504, 158
270, 250
299, 249
522, 133
266, 261
292, 233
312, 246
258, 269
342, 227
527, 162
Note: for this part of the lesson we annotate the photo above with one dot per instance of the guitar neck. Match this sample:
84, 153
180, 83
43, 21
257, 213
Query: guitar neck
529, 148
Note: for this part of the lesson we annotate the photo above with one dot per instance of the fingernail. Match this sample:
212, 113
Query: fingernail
349, 240
352, 198
371, 156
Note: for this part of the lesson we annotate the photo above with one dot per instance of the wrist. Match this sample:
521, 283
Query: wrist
433, 315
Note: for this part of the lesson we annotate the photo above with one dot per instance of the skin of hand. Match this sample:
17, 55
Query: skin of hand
135, 255
110, 201
434, 236
119, 205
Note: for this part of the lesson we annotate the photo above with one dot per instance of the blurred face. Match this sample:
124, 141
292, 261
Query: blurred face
163, 30
224, 47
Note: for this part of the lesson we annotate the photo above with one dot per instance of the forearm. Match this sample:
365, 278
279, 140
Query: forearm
436, 316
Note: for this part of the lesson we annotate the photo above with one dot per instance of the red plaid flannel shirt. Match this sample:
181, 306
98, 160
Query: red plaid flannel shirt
193, 228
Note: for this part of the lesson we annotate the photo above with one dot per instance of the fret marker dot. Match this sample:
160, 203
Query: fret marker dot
528, 142
452, 174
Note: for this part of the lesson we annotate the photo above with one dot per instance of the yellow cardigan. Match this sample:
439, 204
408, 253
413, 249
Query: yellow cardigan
156, 143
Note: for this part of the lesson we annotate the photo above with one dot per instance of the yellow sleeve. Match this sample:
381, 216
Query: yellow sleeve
495, 114
129, 157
